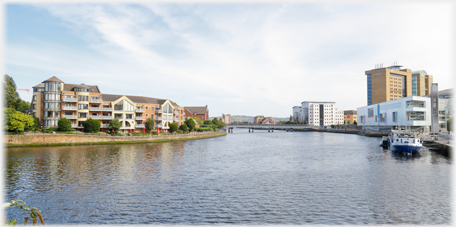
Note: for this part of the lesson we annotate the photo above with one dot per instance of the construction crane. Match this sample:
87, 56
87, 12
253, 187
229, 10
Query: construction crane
20, 89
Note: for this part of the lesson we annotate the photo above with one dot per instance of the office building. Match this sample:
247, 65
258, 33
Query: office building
318, 113
421, 83
350, 117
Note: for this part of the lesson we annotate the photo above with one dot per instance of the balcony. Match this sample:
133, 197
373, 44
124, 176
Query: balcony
74, 125
159, 118
70, 99
104, 125
176, 119
159, 125
140, 118
69, 108
51, 118
140, 125
140, 110
158, 111
100, 109
96, 100
101, 117
176, 112
70, 116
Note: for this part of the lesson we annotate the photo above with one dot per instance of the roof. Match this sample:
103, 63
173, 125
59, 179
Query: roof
39, 85
317, 102
196, 109
419, 72
137, 99
70, 87
53, 79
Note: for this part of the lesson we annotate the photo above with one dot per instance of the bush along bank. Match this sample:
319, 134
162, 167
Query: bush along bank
58, 139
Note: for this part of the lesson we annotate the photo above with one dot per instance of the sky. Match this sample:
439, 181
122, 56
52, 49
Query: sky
252, 59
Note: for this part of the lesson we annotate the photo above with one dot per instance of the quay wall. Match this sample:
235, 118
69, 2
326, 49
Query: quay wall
75, 139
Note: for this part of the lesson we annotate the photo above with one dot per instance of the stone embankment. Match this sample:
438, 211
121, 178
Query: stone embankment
47, 139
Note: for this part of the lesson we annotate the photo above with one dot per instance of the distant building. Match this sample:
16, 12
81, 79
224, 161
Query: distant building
201, 112
350, 117
226, 118
421, 83
445, 107
260, 119
318, 113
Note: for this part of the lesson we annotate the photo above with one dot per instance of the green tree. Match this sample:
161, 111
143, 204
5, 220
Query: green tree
215, 121
173, 127
449, 126
115, 125
291, 118
200, 122
64, 125
11, 95
183, 128
36, 124
190, 124
17, 121
207, 122
22, 106
92, 125
150, 124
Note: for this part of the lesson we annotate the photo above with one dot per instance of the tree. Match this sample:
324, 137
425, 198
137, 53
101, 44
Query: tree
200, 122
183, 128
215, 121
92, 125
190, 124
11, 95
36, 124
207, 122
17, 121
173, 127
355, 123
150, 124
449, 126
291, 118
22, 106
115, 125
64, 125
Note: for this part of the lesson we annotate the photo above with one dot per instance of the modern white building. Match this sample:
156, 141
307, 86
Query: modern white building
318, 113
413, 112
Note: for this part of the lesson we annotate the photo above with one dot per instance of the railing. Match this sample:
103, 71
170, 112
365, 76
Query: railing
104, 125
70, 99
140, 125
159, 118
69, 108
140, 118
176, 112
159, 125
176, 119
70, 116
101, 117
100, 109
96, 100
140, 110
74, 125
51, 118
158, 111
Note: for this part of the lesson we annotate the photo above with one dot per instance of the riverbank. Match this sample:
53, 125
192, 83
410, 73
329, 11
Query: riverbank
75, 139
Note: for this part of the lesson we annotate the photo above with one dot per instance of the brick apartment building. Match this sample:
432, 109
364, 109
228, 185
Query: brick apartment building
201, 112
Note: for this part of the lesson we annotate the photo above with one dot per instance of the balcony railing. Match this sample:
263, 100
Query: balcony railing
140, 118
104, 125
140, 125
159, 118
101, 117
96, 100
69, 108
70, 99
158, 111
159, 125
100, 109
176, 119
176, 112
74, 125
140, 110
70, 116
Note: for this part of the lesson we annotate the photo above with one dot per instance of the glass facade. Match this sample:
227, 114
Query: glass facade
369, 89
415, 85
416, 103
416, 116
404, 94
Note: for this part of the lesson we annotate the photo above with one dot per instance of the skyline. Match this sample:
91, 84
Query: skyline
239, 59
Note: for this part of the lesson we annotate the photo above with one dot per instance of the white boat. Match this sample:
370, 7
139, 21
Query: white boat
404, 141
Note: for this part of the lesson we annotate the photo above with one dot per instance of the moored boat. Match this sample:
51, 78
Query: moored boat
404, 141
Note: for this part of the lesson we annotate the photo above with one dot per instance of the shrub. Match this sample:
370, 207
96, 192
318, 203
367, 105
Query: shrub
92, 125
173, 127
183, 128
115, 125
190, 124
150, 124
64, 125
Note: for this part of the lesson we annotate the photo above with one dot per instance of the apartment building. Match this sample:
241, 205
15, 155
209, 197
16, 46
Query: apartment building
53, 99
421, 83
318, 113
226, 118
202, 112
350, 116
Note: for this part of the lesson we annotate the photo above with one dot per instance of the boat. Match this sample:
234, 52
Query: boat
404, 141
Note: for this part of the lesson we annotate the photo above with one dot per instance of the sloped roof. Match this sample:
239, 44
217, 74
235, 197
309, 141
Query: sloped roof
92, 88
196, 109
39, 85
136, 99
53, 79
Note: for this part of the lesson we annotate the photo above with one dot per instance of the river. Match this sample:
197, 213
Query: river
242, 178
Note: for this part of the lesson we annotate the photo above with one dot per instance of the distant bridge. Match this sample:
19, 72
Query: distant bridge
269, 127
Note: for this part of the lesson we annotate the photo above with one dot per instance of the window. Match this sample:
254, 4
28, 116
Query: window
83, 89
83, 98
52, 105
34, 114
118, 116
82, 115
128, 116
129, 106
147, 115
83, 106
34, 106
395, 116
416, 116
382, 117
119, 106
370, 112
415, 103
51, 97
34, 98
147, 107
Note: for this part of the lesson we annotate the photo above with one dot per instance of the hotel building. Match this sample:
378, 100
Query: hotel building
318, 113
53, 99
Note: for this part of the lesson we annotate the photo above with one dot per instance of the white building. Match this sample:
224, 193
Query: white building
413, 112
318, 113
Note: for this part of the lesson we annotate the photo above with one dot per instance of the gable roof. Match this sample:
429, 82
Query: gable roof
137, 99
196, 109
70, 87
53, 79
39, 85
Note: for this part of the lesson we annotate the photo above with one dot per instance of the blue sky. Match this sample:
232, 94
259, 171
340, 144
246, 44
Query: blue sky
242, 59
